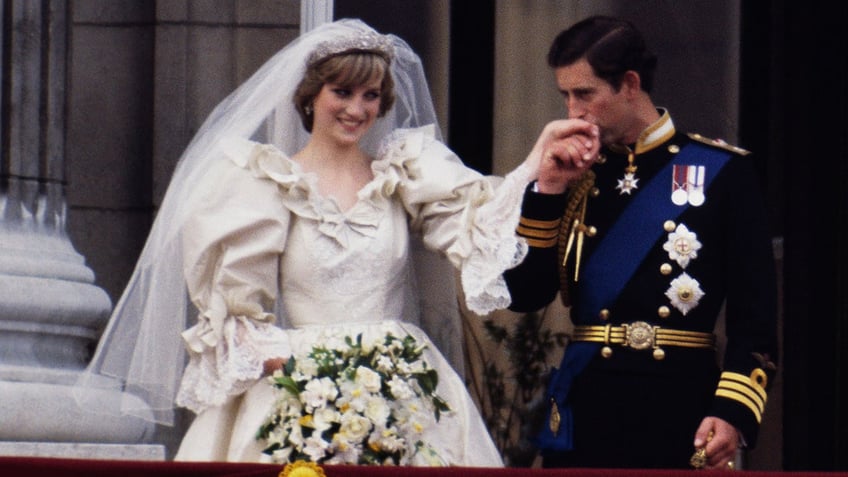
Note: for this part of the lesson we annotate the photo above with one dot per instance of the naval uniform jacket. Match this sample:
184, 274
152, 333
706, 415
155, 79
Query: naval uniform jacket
733, 267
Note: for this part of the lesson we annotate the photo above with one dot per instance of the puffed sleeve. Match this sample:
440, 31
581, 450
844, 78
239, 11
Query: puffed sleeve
470, 218
231, 248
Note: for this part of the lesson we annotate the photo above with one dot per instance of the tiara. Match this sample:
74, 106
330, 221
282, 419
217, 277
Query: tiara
366, 41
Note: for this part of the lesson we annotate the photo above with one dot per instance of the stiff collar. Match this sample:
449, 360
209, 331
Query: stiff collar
654, 135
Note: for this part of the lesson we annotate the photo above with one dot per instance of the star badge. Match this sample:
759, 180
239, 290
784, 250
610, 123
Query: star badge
682, 245
627, 184
685, 293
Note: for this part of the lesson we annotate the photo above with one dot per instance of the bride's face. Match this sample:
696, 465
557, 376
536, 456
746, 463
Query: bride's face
345, 113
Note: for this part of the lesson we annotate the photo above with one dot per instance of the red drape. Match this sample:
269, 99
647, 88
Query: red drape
56, 467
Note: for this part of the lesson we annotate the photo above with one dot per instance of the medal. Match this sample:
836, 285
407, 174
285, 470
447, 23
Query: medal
684, 293
687, 185
695, 183
678, 185
682, 245
629, 182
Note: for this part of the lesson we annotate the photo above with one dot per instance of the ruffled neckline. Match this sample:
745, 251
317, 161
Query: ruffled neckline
396, 162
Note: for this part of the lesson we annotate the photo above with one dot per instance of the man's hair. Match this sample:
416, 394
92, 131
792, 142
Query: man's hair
611, 46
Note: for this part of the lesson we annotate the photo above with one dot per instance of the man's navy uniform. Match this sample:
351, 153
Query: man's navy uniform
647, 249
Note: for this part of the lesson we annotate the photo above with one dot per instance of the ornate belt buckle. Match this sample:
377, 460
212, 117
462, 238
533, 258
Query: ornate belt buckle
639, 335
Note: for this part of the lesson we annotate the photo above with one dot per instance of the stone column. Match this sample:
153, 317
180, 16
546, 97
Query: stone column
51, 313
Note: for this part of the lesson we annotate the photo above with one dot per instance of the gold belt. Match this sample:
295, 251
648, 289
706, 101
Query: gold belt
640, 335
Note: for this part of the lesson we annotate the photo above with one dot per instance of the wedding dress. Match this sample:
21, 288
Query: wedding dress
246, 261
267, 234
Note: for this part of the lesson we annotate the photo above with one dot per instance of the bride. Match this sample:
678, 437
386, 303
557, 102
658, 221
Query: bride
292, 219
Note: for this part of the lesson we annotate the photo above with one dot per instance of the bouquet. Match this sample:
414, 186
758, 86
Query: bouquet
354, 403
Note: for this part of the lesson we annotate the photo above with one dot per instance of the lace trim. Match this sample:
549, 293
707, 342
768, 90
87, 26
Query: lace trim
231, 366
497, 247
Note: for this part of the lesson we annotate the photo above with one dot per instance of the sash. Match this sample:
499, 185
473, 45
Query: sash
610, 267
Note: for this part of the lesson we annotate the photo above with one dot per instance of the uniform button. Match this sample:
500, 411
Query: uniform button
591, 231
663, 312
669, 226
604, 314
601, 159
606, 351
665, 268
673, 149
595, 192
659, 354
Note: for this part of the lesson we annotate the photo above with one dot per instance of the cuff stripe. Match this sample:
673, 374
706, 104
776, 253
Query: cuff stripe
536, 233
742, 400
541, 243
541, 224
746, 381
745, 390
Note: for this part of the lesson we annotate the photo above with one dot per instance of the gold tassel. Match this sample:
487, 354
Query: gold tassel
555, 417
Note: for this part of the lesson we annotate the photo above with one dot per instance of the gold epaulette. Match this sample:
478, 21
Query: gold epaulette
719, 144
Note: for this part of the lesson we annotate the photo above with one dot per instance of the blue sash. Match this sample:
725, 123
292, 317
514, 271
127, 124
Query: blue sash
611, 266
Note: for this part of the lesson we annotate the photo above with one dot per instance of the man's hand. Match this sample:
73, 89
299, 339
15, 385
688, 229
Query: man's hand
564, 150
721, 447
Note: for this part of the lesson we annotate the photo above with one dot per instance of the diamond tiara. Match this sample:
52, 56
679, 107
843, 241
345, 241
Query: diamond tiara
367, 41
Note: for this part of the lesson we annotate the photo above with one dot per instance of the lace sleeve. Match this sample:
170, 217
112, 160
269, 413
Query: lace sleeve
496, 246
231, 247
468, 217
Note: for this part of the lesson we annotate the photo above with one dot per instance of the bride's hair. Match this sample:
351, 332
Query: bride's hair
346, 70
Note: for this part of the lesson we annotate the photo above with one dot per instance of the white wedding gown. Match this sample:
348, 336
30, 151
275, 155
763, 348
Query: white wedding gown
268, 240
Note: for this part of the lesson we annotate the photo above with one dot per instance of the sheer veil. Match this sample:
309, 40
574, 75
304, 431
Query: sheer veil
140, 353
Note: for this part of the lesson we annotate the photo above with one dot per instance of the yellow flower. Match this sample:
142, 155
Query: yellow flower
305, 421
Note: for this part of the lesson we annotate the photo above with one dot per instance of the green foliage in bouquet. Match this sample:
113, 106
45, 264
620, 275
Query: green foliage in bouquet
355, 404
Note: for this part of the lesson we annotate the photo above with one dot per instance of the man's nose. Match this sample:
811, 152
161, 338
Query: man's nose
573, 109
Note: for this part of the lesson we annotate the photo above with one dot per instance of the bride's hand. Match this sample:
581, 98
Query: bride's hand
564, 150
273, 364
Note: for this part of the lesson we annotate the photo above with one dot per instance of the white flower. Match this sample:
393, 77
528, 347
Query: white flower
682, 245
345, 451
385, 364
305, 368
318, 392
324, 418
354, 428
387, 439
399, 388
410, 368
368, 378
685, 293
377, 409
296, 436
316, 447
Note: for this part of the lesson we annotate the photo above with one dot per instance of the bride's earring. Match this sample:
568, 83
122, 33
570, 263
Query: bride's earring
308, 110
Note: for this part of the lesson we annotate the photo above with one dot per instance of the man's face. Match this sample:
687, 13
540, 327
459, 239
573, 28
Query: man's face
592, 99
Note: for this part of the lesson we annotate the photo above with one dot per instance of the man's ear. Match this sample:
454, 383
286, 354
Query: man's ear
631, 83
